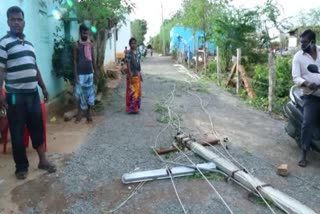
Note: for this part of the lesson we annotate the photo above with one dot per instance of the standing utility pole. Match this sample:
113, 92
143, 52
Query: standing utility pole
163, 39
218, 65
238, 67
272, 81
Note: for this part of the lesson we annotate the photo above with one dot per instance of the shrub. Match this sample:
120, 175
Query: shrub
260, 80
284, 76
175, 53
102, 80
260, 102
257, 57
62, 59
212, 67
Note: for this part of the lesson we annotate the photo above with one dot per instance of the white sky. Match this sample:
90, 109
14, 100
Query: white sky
150, 10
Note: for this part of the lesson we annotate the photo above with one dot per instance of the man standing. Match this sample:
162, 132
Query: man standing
309, 82
84, 68
20, 72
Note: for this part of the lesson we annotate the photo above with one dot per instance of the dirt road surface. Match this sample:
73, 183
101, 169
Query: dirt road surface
89, 179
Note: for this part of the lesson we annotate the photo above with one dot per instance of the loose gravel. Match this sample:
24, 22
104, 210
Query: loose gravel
122, 143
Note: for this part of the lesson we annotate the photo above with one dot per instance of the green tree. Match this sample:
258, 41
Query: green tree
104, 15
198, 16
307, 18
234, 28
248, 29
157, 41
139, 29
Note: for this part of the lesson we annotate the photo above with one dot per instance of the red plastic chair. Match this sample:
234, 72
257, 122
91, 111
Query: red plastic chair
26, 135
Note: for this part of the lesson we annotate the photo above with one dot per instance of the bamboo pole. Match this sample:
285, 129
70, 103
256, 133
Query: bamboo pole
246, 81
272, 81
205, 59
280, 199
162, 32
188, 57
230, 77
197, 60
195, 51
218, 65
115, 44
238, 73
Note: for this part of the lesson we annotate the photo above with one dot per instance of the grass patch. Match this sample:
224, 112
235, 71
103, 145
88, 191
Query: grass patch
160, 108
261, 100
247, 153
169, 155
183, 86
105, 101
199, 86
260, 201
163, 117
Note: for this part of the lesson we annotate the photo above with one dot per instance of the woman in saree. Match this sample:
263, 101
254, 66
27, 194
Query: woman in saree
133, 92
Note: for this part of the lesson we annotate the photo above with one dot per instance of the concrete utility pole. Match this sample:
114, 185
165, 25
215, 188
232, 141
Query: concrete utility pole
163, 36
280, 199
115, 29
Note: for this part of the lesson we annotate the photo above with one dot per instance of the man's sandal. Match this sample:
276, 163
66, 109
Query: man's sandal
89, 119
21, 175
303, 163
48, 167
78, 119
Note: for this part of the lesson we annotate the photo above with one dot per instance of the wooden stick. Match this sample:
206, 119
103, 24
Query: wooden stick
238, 65
231, 75
246, 81
272, 81
218, 65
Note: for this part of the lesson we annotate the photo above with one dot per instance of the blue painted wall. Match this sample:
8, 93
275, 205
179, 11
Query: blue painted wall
40, 26
181, 38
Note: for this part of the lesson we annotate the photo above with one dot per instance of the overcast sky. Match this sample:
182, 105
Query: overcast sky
150, 10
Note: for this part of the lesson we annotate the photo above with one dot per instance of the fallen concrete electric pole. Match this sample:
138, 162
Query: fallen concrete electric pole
280, 199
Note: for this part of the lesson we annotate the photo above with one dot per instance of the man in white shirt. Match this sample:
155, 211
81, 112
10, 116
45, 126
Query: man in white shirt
309, 82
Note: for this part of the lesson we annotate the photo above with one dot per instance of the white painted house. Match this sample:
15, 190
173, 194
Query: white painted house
117, 41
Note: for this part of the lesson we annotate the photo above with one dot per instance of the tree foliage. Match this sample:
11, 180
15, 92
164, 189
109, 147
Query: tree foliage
229, 27
309, 18
306, 20
198, 14
104, 15
234, 28
157, 41
139, 29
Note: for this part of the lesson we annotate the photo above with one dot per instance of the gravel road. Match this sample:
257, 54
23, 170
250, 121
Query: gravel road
90, 182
